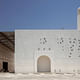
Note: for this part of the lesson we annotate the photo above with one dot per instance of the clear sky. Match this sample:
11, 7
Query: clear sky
38, 14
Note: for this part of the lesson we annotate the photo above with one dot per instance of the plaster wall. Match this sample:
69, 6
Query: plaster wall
61, 46
6, 55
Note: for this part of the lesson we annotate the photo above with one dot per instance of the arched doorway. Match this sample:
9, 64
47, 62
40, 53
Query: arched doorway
43, 64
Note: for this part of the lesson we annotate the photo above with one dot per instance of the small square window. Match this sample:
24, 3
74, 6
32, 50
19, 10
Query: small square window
49, 48
70, 53
69, 56
69, 41
43, 48
72, 49
38, 48
78, 40
72, 45
74, 38
73, 41
78, 49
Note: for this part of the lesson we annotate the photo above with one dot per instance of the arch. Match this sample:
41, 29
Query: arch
43, 64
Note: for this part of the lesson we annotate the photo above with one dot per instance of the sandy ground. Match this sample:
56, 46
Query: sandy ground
39, 76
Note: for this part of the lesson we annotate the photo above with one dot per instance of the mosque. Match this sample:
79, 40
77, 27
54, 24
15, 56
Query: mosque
56, 51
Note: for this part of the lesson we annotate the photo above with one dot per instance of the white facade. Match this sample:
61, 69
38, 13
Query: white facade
61, 46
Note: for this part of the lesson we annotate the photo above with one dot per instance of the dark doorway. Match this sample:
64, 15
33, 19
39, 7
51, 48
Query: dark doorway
5, 66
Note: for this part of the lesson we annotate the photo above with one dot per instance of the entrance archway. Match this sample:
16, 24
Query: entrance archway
43, 64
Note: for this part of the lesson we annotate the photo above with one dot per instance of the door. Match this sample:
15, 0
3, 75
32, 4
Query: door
43, 64
5, 66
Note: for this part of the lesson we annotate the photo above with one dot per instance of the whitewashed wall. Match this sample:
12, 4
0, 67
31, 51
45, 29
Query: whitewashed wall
61, 46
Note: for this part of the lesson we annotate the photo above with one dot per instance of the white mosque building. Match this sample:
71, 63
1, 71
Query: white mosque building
56, 51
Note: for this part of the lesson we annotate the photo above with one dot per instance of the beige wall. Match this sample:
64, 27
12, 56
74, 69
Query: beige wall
6, 55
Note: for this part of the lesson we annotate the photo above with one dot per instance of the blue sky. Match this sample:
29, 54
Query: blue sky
38, 14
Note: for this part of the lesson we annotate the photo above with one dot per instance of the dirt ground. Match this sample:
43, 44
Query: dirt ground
39, 76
